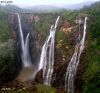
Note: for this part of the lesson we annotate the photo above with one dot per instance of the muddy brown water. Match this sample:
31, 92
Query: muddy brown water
26, 73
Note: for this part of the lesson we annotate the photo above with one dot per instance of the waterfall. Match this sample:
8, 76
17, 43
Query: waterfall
24, 45
47, 55
73, 64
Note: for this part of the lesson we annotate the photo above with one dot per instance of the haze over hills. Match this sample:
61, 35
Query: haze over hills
78, 6
48, 8
56, 8
65, 6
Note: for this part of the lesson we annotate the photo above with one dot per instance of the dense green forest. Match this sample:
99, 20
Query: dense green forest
90, 77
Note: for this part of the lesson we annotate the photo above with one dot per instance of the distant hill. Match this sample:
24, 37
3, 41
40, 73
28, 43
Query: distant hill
50, 8
10, 9
77, 6
37, 9
45, 8
93, 9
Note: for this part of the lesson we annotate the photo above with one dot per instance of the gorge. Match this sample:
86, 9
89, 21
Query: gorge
56, 52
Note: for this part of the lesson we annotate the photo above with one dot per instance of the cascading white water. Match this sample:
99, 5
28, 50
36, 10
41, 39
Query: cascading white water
24, 46
47, 55
25, 56
73, 64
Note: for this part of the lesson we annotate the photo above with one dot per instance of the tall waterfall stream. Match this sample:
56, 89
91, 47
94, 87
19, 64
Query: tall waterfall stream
73, 64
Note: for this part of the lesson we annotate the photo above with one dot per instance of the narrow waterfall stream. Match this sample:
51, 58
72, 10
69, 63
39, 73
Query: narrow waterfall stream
73, 64
47, 55
24, 45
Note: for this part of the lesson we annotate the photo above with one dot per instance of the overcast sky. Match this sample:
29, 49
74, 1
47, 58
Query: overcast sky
45, 2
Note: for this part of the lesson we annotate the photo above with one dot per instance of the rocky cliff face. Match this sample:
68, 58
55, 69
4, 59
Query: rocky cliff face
28, 26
